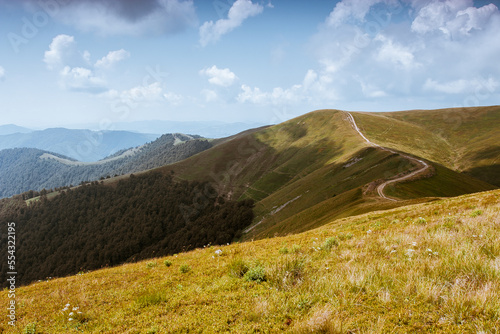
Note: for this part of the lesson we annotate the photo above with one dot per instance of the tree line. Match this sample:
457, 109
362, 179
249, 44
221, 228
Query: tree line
98, 225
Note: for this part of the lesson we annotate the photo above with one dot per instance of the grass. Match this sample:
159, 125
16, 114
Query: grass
462, 139
386, 271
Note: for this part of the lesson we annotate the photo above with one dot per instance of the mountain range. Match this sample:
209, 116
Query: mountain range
303, 188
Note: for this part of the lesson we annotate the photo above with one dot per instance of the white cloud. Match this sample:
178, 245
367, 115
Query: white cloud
75, 70
347, 9
219, 77
111, 58
81, 79
452, 18
149, 93
462, 86
395, 53
61, 51
210, 95
173, 98
211, 32
2, 73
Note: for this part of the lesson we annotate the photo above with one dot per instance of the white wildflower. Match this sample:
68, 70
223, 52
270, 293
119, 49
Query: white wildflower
218, 252
70, 319
71, 313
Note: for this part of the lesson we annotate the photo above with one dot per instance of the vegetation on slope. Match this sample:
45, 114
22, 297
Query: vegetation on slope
312, 169
430, 267
23, 169
462, 139
95, 225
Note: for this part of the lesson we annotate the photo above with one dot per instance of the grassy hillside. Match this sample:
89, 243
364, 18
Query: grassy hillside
314, 168
462, 139
423, 268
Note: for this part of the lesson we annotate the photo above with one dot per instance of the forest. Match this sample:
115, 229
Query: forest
21, 169
96, 225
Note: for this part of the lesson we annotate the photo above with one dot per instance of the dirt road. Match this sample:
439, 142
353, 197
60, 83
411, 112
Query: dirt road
380, 189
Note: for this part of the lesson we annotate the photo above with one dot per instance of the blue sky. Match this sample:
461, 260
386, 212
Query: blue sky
74, 63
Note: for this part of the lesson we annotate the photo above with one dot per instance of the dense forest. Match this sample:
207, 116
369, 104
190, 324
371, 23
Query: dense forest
22, 169
98, 225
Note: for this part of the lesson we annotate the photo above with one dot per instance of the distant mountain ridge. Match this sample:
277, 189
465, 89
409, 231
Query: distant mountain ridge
82, 145
23, 169
12, 128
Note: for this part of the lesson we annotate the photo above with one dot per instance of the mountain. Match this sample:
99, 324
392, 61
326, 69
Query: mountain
82, 145
206, 129
12, 128
24, 169
315, 168
425, 268
296, 176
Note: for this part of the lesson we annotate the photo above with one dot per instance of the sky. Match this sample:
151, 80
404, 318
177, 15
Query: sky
73, 63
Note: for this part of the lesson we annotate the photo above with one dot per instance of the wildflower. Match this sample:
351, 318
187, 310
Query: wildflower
414, 244
218, 252
369, 231
71, 313
70, 319
75, 308
67, 305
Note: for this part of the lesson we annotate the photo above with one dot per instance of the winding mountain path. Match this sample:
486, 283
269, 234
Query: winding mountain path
380, 189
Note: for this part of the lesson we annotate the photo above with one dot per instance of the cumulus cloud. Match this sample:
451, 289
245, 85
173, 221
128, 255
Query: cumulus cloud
2, 73
127, 17
111, 58
369, 51
211, 32
219, 77
350, 9
395, 54
74, 69
82, 79
61, 51
452, 18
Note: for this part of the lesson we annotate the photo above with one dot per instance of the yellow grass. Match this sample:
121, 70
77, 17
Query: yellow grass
431, 267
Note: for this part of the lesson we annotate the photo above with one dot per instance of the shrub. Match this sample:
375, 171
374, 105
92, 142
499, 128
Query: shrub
184, 268
343, 236
283, 250
257, 274
30, 328
330, 243
150, 299
151, 264
288, 272
167, 263
238, 268
421, 221
476, 213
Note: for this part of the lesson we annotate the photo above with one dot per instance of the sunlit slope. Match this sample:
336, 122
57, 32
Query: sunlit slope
463, 139
426, 268
308, 170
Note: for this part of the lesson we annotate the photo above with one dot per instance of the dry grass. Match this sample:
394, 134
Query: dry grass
432, 267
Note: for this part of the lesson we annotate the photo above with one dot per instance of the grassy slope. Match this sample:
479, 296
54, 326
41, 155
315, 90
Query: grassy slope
295, 171
462, 139
431, 267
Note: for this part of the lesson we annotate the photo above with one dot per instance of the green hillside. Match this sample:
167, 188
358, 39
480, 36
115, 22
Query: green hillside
316, 167
463, 139
425, 268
